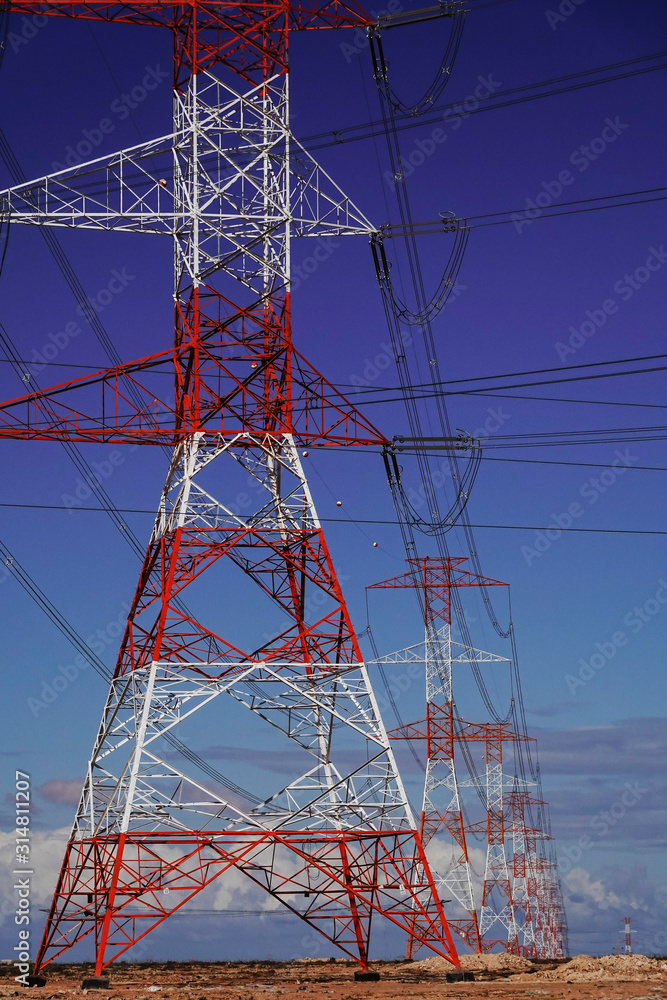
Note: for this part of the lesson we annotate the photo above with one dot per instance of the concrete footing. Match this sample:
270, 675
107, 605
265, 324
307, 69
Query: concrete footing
366, 976
95, 983
36, 980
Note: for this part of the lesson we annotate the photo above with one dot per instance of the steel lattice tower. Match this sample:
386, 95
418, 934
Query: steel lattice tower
525, 867
498, 906
519, 906
441, 805
230, 186
435, 578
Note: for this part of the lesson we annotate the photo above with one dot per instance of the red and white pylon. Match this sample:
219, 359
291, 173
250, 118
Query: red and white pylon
441, 806
435, 578
497, 911
520, 908
229, 186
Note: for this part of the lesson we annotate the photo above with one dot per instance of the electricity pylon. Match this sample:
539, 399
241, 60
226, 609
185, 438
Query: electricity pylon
434, 579
526, 834
498, 908
441, 806
230, 186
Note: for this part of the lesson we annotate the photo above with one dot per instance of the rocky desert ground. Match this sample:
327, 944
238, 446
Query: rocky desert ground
615, 977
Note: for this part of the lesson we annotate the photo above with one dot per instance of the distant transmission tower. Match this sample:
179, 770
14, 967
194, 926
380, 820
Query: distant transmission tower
230, 185
434, 578
628, 935
498, 912
520, 907
525, 865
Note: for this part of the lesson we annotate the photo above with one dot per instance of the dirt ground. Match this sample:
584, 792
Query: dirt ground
609, 978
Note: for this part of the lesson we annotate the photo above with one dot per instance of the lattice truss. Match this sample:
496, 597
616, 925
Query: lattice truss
229, 186
512, 907
502, 911
231, 165
442, 815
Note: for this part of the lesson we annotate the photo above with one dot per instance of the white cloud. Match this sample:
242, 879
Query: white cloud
583, 890
47, 849
597, 902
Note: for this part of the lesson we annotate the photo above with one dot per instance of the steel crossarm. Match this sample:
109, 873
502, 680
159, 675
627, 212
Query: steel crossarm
140, 189
418, 653
122, 405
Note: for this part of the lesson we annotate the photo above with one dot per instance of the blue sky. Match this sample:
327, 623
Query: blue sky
522, 292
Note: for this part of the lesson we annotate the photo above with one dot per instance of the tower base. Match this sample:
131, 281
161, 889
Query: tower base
36, 981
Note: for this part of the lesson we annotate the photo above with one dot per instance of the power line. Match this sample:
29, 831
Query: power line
564, 204
449, 223
460, 381
74, 452
482, 390
358, 520
579, 465
550, 214
529, 527
545, 461
530, 371
518, 385
421, 317
564, 399
501, 99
